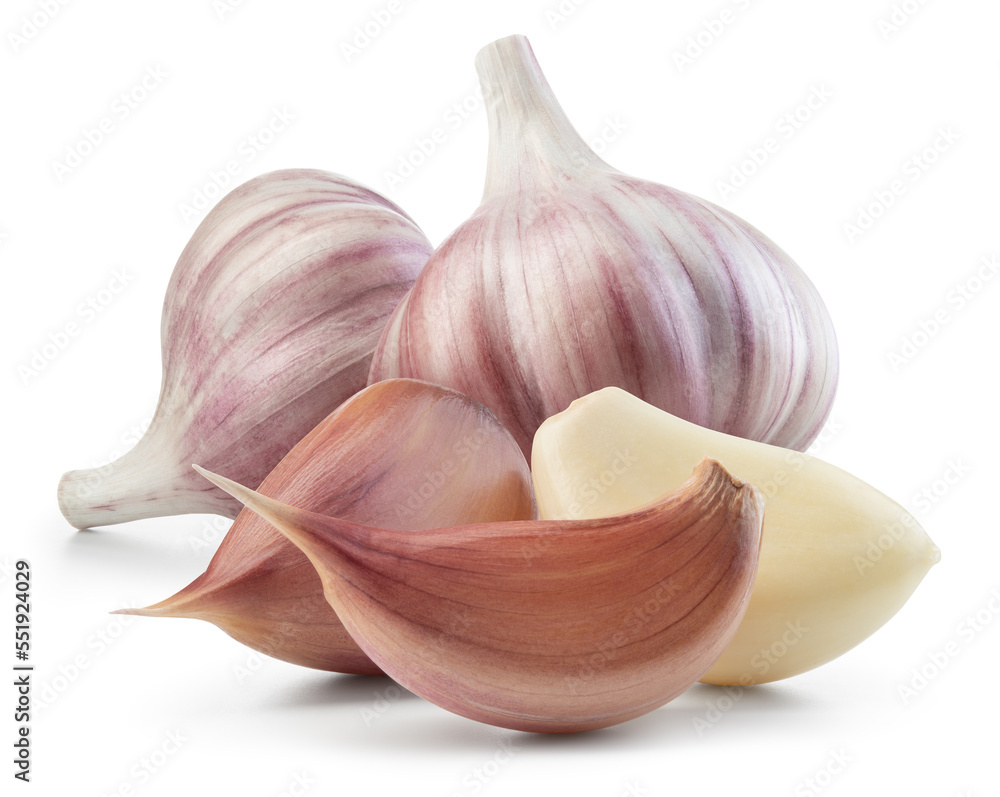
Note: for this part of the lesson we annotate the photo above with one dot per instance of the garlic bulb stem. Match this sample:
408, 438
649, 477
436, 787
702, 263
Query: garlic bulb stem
530, 134
134, 487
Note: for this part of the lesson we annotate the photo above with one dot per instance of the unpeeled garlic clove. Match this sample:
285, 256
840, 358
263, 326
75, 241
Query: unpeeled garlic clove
838, 558
571, 276
269, 323
401, 454
551, 626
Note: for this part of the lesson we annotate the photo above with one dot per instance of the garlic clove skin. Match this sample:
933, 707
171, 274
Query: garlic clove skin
401, 454
820, 589
571, 276
270, 320
556, 626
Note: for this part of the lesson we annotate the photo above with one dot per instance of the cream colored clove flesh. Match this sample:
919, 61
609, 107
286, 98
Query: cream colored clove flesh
838, 557
549, 626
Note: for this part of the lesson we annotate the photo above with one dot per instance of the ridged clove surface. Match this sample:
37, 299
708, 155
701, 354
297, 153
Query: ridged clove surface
401, 454
549, 626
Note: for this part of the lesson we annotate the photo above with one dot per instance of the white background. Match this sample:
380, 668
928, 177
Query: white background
110, 692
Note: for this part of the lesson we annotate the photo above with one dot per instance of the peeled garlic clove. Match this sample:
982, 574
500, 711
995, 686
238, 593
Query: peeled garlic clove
572, 276
401, 454
270, 320
543, 626
838, 557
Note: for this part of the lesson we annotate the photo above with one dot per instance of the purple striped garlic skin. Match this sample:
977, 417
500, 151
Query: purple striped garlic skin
572, 276
270, 320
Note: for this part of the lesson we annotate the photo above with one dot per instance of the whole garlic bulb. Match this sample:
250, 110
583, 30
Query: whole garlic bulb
572, 276
269, 323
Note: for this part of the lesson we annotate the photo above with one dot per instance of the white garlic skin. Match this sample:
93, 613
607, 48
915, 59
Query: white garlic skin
572, 276
269, 322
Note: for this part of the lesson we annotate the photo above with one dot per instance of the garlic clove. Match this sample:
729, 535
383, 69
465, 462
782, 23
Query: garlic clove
838, 558
571, 276
269, 323
553, 626
400, 454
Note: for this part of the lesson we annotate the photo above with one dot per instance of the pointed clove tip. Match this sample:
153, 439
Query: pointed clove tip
242, 494
279, 515
140, 612
710, 468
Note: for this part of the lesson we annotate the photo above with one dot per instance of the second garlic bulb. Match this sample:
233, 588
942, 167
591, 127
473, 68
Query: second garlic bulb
572, 276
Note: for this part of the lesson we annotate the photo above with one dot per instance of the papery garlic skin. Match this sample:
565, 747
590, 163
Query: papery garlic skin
552, 627
270, 320
838, 557
400, 454
571, 276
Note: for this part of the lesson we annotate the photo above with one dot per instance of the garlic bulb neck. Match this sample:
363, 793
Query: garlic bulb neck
530, 135
135, 488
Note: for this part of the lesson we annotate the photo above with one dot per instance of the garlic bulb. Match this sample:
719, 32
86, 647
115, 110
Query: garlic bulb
572, 276
401, 454
838, 558
543, 626
270, 320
